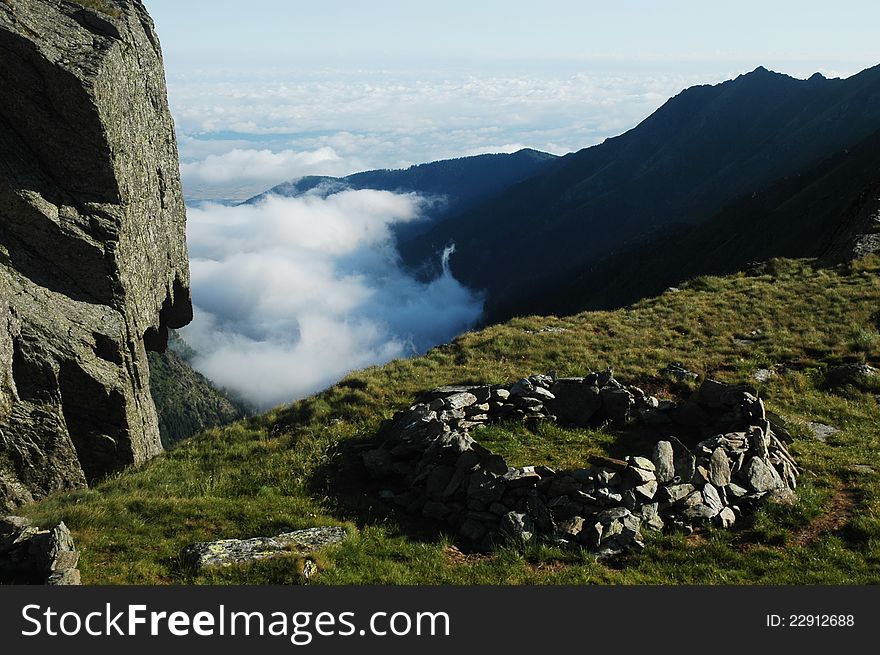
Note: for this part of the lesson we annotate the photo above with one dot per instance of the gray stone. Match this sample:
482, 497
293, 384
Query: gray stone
522, 388
759, 442
684, 461
228, 552
716, 395
676, 492
485, 487
571, 528
529, 402
783, 496
476, 410
459, 401
438, 480
780, 427
726, 518
517, 527
719, 468
93, 260
648, 489
613, 514
542, 394
690, 414
575, 403
608, 462
698, 512
591, 535
820, 432
482, 392
664, 461
616, 404
712, 499
64, 578
691, 500
500, 394
521, 477
736, 490
763, 375
701, 476
762, 477
642, 463
539, 514
640, 476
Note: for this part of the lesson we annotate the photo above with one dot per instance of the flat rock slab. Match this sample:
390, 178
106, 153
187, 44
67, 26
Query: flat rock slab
821, 432
228, 552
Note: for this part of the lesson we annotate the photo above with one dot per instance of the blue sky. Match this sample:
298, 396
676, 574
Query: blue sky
392, 31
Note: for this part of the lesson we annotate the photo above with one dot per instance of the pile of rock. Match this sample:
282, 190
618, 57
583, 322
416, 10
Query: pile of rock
442, 473
29, 555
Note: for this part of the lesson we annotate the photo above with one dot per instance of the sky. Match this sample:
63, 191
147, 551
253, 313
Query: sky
291, 294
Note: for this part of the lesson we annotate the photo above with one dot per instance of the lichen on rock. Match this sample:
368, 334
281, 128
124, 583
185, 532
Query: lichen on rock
93, 263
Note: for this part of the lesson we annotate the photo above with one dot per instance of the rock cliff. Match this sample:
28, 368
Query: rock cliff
93, 263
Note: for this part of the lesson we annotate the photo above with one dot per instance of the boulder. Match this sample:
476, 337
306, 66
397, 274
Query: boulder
821, 431
761, 476
574, 402
517, 527
34, 556
719, 468
616, 404
856, 375
229, 552
663, 459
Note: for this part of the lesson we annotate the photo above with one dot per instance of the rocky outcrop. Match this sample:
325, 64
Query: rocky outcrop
858, 235
29, 555
440, 472
93, 264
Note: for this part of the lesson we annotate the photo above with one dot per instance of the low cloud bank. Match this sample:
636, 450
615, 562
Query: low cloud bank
293, 293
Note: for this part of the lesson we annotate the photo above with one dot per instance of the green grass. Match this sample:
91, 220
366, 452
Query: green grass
289, 468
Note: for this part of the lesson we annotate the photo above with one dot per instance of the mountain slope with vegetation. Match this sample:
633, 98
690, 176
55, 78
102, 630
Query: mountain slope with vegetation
704, 149
453, 185
186, 401
816, 213
298, 466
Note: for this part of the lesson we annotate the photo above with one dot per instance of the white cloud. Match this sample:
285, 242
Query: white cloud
293, 293
282, 125
263, 166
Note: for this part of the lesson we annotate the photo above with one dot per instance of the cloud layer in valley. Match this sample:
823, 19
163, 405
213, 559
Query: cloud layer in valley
293, 293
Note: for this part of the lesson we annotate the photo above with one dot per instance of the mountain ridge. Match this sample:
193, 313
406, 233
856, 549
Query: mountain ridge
701, 150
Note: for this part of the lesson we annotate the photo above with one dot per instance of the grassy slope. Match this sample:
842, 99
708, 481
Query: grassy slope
285, 469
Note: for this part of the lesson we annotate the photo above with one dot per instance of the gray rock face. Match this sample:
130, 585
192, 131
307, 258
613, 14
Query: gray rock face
93, 265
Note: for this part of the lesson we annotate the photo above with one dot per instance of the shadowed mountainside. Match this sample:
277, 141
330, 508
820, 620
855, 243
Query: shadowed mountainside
687, 162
